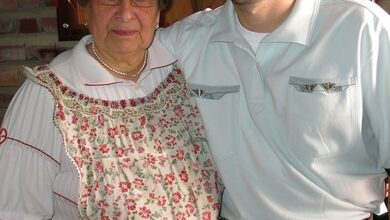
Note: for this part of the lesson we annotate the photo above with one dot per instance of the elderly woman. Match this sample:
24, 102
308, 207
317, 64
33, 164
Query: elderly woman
108, 130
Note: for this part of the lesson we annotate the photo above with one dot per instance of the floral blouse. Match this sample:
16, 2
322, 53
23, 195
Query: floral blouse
144, 158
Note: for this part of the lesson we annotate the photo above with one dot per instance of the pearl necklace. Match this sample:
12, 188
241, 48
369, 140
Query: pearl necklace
123, 74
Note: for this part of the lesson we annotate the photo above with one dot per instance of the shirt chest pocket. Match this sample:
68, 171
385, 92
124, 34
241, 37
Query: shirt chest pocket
321, 116
218, 106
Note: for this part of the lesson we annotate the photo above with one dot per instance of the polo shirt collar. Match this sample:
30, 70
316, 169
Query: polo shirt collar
92, 73
297, 28
225, 27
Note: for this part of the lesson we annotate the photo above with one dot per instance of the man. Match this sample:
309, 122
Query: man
295, 97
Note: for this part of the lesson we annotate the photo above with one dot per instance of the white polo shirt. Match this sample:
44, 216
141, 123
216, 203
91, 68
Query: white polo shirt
300, 129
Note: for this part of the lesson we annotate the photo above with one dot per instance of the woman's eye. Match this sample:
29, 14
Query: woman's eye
144, 3
110, 2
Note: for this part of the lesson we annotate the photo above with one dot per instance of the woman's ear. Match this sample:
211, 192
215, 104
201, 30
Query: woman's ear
158, 20
87, 13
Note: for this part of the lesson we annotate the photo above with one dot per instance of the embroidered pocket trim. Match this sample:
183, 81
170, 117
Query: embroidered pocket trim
212, 92
320, 85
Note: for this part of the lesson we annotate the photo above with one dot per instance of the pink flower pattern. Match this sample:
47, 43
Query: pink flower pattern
143, 158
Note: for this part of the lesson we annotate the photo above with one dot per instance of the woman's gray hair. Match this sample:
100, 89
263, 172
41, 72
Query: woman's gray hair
161, 3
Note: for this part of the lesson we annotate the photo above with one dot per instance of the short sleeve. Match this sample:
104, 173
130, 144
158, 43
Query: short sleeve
376, 88
30, 148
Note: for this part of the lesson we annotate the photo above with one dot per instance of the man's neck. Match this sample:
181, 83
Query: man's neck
262, 16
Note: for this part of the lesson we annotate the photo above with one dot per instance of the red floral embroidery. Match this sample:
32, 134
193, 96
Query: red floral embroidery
143, 120
179, 112
196, 148
180, 216
104, 149
170, 140
78, 161
161, 200
112, 132
99, 167
85, 125
206, 215
184, 176
169, 179
176, 197
60, 115
102, 204
124, 186
131, 205
145, 212
151, 159
180, 154
74, 119
123, 130
137, 135
133, 103
3, 135
123, 103
109, 189
190, 209
139, 183
94, 111
120, 152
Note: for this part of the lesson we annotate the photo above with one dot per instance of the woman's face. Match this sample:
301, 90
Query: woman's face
122, 28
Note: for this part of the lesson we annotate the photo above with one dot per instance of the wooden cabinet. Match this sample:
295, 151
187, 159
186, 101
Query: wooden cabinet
70, 15
70, 21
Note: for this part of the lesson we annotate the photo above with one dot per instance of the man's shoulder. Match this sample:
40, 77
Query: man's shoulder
199, 20
359, 3
364, 7
191, 31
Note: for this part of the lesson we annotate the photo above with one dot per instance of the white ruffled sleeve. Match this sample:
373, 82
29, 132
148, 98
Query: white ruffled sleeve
30, 148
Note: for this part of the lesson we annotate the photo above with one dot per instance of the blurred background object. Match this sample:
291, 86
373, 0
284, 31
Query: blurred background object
385, 4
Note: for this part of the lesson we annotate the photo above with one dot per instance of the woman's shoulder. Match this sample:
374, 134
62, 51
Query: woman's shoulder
61, 59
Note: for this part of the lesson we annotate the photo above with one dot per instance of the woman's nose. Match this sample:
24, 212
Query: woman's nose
125, 10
